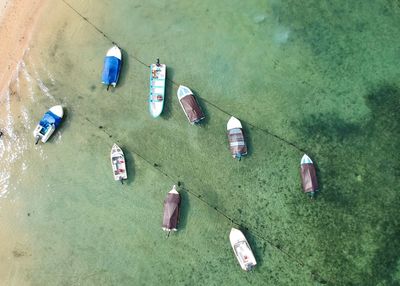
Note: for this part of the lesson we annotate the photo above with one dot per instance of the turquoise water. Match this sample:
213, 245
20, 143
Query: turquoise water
316, 77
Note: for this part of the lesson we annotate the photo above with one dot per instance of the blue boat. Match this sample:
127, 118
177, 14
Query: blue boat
112, 67
48, 124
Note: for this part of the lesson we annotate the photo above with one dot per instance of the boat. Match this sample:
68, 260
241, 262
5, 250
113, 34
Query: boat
158, 74
118, 163
48, 124
236, 140
171, 210
242, 250
189, 105
112, 66
308, 176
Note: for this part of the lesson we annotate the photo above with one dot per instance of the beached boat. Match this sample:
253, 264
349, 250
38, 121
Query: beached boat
189, 105
242, 250
158, 74
48, 124
118, 163
236, 140
308, 176
171, 210
112, 66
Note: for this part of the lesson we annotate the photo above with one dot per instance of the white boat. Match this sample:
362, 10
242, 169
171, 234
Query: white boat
48, 124
118, 163
242, 250
158, 74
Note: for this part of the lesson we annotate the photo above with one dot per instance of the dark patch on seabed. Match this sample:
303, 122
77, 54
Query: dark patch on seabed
358, 208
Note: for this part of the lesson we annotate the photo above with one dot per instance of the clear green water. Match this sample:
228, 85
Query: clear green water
320, 77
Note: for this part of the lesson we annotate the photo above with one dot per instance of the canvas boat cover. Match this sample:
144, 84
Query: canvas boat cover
48, 119
309, 178
171, 211
112, 66
236, 142
192, 108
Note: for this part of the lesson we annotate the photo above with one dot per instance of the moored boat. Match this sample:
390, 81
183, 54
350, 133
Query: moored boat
308, 176
189, 105
112, 66
118, 163
236, 138
158, 74
171, 210
242, 250
48, 124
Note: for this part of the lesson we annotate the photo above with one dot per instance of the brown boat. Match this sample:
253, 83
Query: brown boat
236, 140
308, 176
171, 210
189, 105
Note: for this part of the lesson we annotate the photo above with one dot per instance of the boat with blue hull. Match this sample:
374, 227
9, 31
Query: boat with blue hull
158, 74
112, 67
50, 121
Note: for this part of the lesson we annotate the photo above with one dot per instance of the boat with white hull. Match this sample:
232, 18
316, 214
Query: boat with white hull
118, 163
158, 74
242, 250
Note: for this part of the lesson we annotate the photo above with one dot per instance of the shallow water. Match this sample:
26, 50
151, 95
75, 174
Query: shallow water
320, 78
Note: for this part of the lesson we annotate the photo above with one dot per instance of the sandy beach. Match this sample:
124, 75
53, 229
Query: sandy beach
18, 20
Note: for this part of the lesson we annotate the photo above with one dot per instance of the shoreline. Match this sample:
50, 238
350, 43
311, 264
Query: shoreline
18, 21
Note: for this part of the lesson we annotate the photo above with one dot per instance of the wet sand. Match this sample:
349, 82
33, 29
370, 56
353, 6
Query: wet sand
18, 20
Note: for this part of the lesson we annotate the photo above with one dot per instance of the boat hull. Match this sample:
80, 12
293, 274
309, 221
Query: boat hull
118, 163
308, 176
242, 250
48, 123
158, 73
189, 104
236, 139
112, 66
171, 210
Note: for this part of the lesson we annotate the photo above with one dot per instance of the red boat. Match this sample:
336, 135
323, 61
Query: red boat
308, 176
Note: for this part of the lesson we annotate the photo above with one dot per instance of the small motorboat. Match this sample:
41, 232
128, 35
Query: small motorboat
158, 74
118, 163
189, 105
236, 140
308, 176
48, 124
171, 211
242, 250
112, 66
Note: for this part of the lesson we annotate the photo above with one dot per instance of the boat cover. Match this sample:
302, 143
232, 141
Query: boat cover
48, 119
309, 178
112, 66
171, 211
236, 142
192, 108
